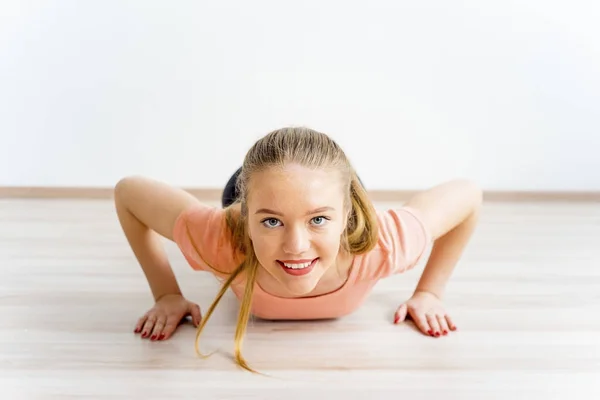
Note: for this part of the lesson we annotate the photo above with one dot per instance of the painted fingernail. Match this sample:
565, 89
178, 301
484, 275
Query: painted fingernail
430, 332
144, 334
161, 337
153, 337
437, 334
445, 332
396, 319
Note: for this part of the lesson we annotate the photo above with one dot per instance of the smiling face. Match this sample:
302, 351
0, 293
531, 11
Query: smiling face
296, 217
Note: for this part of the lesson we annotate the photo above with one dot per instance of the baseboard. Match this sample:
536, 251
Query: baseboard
215, 194
84, 193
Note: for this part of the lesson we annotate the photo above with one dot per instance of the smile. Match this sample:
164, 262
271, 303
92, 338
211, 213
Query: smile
299, 267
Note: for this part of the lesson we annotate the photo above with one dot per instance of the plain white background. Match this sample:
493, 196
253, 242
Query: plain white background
503, 92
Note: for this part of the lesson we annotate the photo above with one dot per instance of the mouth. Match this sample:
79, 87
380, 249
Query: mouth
298, 267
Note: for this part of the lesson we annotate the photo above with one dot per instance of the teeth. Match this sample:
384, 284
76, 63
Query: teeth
298, 266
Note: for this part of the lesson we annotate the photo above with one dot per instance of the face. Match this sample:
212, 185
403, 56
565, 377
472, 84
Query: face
296, 217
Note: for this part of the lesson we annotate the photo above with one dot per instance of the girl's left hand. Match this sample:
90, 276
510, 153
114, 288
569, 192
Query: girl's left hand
428, 313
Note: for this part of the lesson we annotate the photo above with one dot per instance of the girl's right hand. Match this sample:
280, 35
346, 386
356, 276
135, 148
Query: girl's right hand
162, 320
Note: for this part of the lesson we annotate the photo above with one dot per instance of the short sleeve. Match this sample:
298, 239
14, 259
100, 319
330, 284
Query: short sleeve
403, 240
203, 237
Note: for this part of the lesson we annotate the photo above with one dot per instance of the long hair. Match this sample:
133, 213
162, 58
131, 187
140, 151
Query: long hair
311, 149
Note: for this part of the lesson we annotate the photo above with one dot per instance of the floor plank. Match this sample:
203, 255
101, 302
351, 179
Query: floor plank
526, 298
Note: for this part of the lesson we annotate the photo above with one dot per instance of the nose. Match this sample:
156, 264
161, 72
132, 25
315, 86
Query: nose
296, 241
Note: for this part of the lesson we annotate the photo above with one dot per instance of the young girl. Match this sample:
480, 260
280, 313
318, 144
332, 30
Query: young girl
297, 238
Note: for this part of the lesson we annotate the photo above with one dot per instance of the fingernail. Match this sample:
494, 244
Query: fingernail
153, 337
161, 337
396, 319
430, 332
144, 334
445, 332
437, 334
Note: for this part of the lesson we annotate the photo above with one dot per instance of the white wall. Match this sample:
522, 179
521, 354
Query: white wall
416, 92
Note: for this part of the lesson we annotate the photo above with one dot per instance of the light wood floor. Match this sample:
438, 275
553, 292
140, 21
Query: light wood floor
526, 299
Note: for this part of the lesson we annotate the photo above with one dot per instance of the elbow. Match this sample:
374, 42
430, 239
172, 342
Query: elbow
475, 194
124, 186
471, 192
121, 186
478, 195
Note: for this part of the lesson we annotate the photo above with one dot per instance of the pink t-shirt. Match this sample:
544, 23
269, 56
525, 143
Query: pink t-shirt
202, 236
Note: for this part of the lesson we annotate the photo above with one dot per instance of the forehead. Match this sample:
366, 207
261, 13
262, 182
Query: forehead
294, 188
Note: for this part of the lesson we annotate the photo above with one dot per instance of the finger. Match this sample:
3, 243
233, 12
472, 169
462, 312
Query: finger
158, 327
400, 315
196, 314
435, 327
421, 322
451, 324
169, 328
140, 324
443, 324
148, 325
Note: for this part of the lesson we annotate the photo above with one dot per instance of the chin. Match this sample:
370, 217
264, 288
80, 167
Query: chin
301, 288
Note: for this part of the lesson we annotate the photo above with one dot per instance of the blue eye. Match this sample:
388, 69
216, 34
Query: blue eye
322, 219
273, 220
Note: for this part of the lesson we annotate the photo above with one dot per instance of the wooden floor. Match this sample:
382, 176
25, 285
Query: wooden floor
526, 299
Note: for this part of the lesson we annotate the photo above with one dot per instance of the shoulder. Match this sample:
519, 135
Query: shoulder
400, 226
202, 234
402, 241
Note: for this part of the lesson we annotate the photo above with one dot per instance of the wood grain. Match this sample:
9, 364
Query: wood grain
525, 297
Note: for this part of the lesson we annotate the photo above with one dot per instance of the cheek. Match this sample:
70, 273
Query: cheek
328, 242
265, 246
332, 243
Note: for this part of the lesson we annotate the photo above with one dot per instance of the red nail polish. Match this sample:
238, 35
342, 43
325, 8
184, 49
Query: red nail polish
396, 319
161, 337
437, 334
144, 334
153, 337
430, 332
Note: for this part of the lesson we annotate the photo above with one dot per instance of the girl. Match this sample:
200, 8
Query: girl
297, 238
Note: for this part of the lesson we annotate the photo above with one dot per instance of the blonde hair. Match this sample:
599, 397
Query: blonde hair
311, 149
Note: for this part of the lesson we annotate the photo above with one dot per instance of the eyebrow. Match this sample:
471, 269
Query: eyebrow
316, 210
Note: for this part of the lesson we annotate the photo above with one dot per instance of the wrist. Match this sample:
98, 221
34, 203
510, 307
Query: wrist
435, 293
161, 286
167, 294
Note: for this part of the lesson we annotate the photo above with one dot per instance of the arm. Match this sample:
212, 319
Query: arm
147, 209
450, 213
